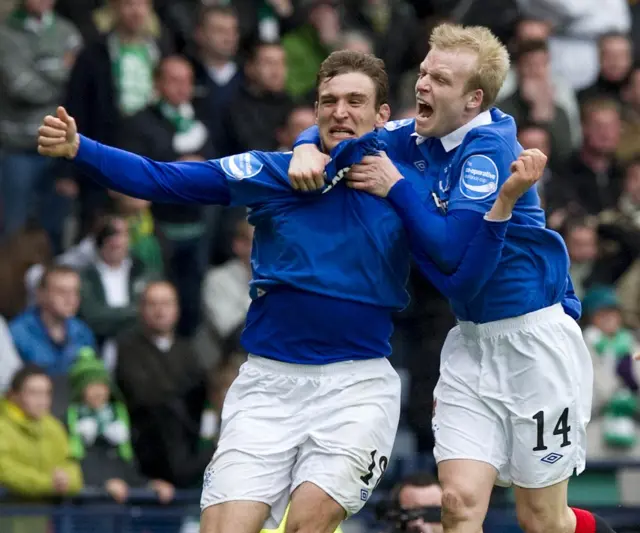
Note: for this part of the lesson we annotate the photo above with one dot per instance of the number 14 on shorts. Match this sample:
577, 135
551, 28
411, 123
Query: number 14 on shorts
562, 428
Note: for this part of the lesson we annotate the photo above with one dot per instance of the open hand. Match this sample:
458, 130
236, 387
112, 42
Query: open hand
375, 174
58, 136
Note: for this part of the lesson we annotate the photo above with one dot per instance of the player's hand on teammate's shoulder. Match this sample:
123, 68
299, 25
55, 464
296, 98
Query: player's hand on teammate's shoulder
526, 171
58, 136
306, 170
375, 174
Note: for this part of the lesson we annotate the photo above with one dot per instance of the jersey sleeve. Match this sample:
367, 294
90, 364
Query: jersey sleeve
479, 262
570, 303
484, 167
243, 179
442, 238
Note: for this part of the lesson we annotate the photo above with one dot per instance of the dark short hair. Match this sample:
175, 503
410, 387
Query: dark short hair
529, 46
613, 35
346, 61
257, 45
52, 270
207, 11
598, 103
418, 479
23, 375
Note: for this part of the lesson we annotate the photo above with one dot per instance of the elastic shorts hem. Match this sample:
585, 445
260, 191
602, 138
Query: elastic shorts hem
233, 499
467, 458
329, 493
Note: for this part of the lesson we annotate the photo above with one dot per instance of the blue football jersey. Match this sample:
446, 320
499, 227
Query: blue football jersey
465, 171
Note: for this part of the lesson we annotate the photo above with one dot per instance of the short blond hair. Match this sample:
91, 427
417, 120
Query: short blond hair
493, 58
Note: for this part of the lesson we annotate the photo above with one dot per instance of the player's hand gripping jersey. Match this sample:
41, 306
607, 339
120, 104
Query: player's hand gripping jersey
463, 173
328, 269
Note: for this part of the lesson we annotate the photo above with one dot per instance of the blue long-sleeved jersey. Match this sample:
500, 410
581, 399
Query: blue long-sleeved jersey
328, 269
464, 172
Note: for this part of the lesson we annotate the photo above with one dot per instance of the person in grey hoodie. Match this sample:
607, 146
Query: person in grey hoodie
37, 50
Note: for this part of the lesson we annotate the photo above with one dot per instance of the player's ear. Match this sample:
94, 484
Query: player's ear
383, 115
315, 110
474, 99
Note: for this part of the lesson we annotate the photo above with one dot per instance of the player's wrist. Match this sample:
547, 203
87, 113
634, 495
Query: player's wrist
75, 146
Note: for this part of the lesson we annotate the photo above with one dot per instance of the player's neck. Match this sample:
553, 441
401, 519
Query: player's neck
595, 161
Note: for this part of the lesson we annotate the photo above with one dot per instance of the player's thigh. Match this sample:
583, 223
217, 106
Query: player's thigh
234, 517
258, 441
467, 424
544, 509
313, 510
351, 435
551, 383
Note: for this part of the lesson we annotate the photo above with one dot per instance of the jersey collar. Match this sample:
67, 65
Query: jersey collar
455, 138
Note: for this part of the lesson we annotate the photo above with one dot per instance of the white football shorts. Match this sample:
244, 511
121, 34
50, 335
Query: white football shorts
516, 393
283, 424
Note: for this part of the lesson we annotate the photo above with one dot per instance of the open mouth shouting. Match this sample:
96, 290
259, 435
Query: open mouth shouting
425, 110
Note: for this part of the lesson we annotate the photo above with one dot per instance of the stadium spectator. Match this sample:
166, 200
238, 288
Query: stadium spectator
218, 73
100, 433
534, 135
629, 146
612, 347
299, 119
50, 334
577, 25
112, 78
592, 177
261, 105
170, 130
34, 446
619, 229
165, 392
535, 100
616, 60
10, 361
581, 239
111, 286
37, 51
308, 45
142, 238
30, 246
413, 505
225, 296
221, 379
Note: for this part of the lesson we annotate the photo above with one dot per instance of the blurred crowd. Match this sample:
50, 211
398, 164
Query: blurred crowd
120, 320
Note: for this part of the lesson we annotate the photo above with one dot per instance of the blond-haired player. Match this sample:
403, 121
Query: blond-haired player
514, 394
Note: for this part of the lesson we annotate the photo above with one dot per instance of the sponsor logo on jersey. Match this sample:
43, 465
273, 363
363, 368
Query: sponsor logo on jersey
478, 178
241, 166
396, 124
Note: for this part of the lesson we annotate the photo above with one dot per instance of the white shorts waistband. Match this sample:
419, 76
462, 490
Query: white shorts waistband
553, 313
362, 367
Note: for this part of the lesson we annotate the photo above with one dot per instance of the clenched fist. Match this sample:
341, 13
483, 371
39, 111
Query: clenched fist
58, 136
526, 171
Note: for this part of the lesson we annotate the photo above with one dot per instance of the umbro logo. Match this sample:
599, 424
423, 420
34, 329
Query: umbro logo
551, 458
420, 165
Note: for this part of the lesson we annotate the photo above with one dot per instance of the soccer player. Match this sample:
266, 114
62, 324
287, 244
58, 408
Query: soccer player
514, 395
313, 414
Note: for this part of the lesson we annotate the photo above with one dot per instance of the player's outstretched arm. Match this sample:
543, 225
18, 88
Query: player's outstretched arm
219, 181
187, 182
